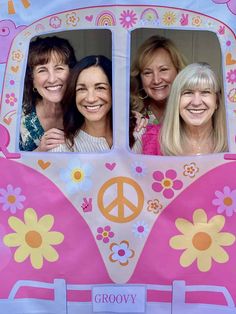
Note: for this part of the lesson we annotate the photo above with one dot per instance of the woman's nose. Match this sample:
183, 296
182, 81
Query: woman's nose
156, 77
91, 96
196, 99
52, 76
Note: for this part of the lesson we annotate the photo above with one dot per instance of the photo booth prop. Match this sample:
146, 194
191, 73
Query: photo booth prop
115, 232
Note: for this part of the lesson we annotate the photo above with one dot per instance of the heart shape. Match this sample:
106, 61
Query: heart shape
229, 59
15, 68
43, 164
89, 18
110, 166
7, 120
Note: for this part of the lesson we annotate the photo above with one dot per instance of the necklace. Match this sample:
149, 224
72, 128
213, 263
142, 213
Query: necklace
200, 146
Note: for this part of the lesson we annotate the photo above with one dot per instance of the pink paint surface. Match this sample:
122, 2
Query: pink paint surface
79, 259
159, 263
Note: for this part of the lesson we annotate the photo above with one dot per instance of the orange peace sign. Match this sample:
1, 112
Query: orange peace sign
121, 209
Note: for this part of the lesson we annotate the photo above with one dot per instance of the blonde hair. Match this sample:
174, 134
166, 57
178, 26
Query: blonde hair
146, 52
172, 137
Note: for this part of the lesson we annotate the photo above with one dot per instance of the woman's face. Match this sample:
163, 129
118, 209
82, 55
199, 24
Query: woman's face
50, 79
158, 76
93, 94
197, 107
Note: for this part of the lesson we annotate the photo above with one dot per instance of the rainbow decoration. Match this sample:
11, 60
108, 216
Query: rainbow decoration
106, 18
149, 17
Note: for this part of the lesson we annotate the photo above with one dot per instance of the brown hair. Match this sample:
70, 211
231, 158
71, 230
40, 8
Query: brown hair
40, 52
72, 118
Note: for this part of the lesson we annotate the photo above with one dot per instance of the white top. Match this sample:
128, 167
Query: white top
84, 143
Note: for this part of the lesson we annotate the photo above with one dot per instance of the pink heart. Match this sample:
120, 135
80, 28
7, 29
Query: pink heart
89, 18
110, 166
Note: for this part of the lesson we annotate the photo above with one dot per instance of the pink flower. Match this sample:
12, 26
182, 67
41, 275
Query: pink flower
55, 22
167, 183
104, 234
231, 76
11, 99
226, 201
128, 18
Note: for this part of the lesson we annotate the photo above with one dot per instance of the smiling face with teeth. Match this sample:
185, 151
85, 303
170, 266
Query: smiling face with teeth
158, 76
50, 79
93, 94
197, 107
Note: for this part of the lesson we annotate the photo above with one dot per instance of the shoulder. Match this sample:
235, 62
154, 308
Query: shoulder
31, 131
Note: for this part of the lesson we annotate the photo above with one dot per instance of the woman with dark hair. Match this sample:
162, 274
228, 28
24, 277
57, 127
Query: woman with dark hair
49, 62
87, 107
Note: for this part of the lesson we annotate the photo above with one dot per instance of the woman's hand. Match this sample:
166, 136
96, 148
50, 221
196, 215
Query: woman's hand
51, 139
141, 121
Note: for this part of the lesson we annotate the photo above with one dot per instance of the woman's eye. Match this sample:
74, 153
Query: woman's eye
60, 68
80, 89
101, 88
187, 92
164, 69
146, 73
41, 71
206, 92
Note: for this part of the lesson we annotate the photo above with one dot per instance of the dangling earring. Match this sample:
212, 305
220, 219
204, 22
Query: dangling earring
140, 96
34, 90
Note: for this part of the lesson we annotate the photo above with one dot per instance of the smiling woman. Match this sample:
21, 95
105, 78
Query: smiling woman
87, 106
48, 67
195, 121
152, 73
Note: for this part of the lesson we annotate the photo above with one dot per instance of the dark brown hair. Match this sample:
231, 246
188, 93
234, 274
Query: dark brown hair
72, 118
40, 52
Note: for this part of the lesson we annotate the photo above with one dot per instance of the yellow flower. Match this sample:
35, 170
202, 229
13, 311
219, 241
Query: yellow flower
17, 55
196, 21
169, 18
72, 19
202, 240
32, 237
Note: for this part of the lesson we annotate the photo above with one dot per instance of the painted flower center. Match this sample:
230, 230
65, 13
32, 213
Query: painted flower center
121, 252
77, 175
33, 239
228, 201
167, 183
11, 199
201, 241
139, 169
105, 234
140, 229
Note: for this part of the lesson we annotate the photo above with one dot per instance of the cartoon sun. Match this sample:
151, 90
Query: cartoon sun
11, 8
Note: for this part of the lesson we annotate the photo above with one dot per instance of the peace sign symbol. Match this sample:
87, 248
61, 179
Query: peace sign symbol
121, 209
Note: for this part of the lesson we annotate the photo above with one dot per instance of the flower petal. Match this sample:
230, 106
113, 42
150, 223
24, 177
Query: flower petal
187, 257
171, 174
199, 216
